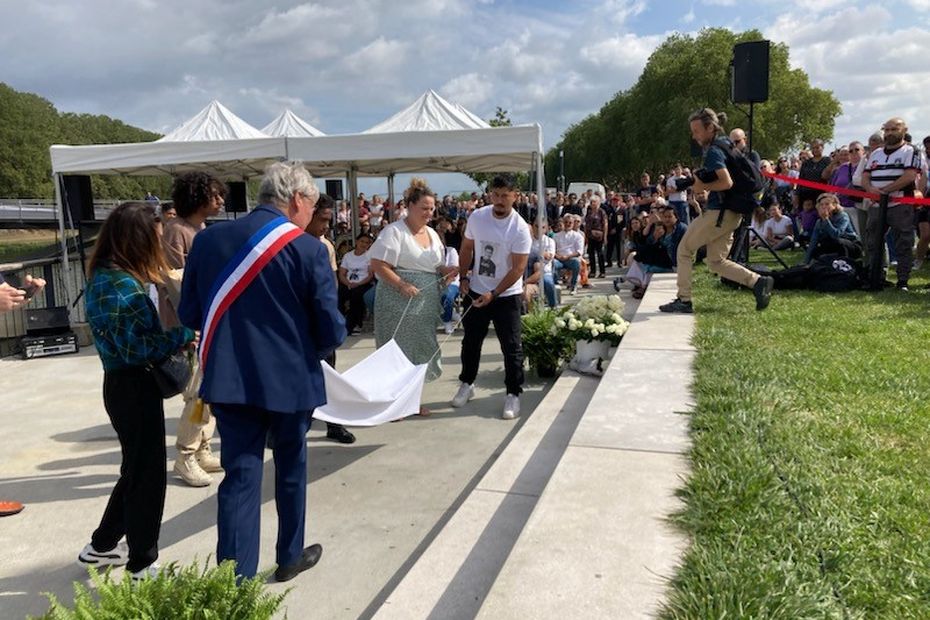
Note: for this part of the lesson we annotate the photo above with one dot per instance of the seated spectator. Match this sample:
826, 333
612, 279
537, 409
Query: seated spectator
634, 232
376, 212
833, 233
651, 254
759, 217
569, 248
806, 220
451, 292
539, 267
355, 278
778, 231
584, 272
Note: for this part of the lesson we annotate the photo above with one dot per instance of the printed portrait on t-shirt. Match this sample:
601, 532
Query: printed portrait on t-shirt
486, 266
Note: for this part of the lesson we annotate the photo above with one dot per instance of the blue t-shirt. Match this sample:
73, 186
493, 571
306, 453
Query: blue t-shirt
714, 159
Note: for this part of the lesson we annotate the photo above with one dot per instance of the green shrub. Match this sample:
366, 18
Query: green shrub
543, 344
188, 593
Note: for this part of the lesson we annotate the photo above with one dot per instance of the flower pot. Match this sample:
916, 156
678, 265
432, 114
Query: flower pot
545, 371
586, 352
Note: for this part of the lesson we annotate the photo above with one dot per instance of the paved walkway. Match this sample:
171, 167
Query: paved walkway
376, 506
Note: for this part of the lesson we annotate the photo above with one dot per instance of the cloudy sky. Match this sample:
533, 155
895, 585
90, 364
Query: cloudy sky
345, 65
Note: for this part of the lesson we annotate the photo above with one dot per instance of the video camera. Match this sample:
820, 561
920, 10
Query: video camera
706, 176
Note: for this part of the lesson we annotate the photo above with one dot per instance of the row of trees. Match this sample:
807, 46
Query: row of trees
645, 127
29, 125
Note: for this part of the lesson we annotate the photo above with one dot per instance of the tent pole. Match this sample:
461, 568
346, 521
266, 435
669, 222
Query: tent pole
541, 216
65, 263
391, 191
352, 182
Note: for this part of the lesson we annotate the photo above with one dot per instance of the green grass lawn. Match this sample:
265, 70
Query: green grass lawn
810, 491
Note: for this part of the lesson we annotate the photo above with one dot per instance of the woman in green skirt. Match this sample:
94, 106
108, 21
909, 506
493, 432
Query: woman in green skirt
407, 259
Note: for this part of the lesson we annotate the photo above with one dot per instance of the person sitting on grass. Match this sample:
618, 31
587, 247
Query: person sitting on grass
833, 232
778, 229
805, 221
759, 217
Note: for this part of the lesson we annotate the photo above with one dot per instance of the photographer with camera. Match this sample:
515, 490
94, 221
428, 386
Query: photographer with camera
731, 180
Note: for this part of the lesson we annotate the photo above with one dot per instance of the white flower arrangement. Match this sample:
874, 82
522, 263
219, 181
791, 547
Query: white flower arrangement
594, 318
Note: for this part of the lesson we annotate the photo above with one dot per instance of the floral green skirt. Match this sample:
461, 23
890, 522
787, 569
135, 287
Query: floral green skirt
416, 334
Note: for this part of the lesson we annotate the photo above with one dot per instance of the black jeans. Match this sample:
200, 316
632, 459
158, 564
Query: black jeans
595, 256
354, 298
136, 410
613, 249
504, 312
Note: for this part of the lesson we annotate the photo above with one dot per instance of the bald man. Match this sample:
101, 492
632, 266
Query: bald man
892, 171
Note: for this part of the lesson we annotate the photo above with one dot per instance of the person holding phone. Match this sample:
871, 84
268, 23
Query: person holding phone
11, 298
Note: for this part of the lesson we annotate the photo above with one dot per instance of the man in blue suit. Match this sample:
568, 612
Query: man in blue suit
266, 326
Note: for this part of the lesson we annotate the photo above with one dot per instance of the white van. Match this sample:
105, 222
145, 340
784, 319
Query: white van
581, 187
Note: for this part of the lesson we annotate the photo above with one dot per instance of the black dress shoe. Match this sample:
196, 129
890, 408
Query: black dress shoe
308, 559
339, 433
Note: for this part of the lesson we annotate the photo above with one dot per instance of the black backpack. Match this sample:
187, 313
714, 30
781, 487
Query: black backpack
748, 183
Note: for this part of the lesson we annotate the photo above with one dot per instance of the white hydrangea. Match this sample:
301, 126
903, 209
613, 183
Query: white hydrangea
595, 333
616, 318
559, 323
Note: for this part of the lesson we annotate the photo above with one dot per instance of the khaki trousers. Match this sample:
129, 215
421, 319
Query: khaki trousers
193, 434
704, 231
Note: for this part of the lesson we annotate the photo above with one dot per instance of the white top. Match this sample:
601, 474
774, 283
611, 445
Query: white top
569, 242
357, 267
886, 168
452, 260
397, 246
375, 214
495, 241
778, 228
759, 227
672, 192
541, 246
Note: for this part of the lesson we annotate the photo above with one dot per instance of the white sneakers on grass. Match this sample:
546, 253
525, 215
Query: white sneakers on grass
511, 407
466, 393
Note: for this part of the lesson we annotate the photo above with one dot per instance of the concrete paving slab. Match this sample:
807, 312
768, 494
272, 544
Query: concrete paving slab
602, 549
641, 403
451, 580
374, 505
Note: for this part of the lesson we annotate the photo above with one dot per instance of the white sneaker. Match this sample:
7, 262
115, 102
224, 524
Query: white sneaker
466, 393
149, 572
189, 470
456, 316
511, 407
208, 461
118, 556
450, 328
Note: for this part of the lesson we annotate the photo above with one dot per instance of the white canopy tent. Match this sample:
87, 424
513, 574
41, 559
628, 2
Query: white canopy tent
289, 124
431, 135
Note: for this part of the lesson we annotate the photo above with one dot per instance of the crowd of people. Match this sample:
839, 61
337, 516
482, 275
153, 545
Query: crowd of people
262, 301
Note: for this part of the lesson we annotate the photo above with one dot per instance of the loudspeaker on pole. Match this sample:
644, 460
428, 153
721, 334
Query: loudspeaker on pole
750, 76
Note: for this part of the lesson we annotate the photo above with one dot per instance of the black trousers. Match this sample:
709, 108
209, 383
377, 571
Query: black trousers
504, 312
613, 249
352, 304
595, 256
136, 410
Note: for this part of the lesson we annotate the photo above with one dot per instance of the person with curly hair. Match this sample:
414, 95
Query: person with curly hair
196, 197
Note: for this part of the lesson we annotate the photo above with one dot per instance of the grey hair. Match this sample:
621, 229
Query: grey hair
877, 137
282, 180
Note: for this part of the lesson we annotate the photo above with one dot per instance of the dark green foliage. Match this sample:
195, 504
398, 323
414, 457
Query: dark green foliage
188, 593
29, 125
646, 128
808, 496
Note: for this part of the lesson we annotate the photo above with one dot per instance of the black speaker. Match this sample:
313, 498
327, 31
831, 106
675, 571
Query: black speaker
334, 189
46, 321
236, 200
750, 77
78, 198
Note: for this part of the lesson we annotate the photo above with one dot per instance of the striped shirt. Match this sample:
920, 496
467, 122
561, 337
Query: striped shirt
887, 167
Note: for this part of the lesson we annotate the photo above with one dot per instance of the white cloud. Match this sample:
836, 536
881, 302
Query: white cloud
470, 90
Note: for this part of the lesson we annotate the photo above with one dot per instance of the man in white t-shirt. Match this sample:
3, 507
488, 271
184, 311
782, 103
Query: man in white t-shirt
892, 170
778, 231
495, 251
569, 248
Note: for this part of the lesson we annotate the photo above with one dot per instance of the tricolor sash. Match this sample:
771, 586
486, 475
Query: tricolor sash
241, 271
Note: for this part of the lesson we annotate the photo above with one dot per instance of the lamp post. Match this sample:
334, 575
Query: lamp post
561, 171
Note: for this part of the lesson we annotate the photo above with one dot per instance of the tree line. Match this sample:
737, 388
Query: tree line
645, 127
30, 124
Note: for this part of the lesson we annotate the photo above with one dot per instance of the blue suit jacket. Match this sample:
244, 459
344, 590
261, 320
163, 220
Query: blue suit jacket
266, 350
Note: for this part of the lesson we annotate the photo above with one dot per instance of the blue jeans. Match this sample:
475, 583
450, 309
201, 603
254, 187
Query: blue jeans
549, 289
448, 301
573, 264
369, 298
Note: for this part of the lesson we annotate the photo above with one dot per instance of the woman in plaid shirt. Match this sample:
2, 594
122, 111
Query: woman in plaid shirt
128, 336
